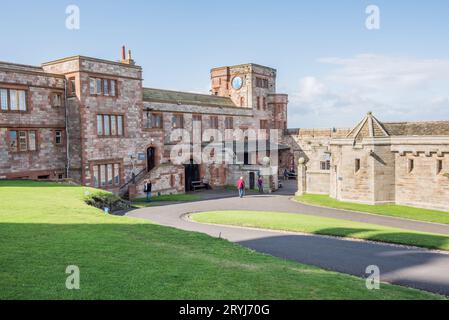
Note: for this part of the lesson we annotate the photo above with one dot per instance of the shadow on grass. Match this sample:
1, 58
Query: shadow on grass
146, 261
429, 241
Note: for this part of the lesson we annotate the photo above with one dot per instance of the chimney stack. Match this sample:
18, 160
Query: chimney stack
123, 54
128, 60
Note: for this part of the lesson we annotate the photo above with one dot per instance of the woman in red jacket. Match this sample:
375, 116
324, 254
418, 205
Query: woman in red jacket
241, 187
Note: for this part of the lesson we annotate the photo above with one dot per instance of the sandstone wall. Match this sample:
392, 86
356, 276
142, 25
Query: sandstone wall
48, 160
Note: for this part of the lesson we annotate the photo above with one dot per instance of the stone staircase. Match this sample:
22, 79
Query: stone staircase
165, 178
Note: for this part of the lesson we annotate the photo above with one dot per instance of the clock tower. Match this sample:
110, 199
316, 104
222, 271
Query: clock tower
248, 85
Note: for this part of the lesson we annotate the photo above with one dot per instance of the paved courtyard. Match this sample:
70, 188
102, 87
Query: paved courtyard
413, 267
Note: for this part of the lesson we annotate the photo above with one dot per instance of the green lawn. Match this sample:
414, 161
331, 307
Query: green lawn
142, 202
45, 227
324, 226
386, 210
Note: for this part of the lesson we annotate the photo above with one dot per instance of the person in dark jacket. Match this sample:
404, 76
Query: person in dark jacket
147, 189
260, 184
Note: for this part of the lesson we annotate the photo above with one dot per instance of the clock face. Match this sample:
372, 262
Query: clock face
237, 83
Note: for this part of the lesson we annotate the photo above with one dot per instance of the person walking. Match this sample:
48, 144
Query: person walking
260, 184
241, 187
147, 189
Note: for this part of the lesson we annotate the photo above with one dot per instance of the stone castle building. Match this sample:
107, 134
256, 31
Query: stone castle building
405, 163
91, 120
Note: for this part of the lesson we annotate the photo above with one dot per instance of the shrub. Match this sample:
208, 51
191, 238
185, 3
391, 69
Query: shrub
103, 200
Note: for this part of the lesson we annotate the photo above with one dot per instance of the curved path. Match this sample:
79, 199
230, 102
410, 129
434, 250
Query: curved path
413, 267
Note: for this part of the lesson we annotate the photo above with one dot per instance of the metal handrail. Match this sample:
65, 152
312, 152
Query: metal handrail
134, 178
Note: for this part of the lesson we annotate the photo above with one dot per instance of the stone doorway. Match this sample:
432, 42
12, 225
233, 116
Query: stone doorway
151, 158
192, 173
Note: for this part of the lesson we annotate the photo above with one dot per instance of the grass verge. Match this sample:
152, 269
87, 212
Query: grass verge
324, 226
386, 210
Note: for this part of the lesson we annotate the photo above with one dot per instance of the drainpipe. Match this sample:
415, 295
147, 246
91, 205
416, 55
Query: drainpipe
66, 129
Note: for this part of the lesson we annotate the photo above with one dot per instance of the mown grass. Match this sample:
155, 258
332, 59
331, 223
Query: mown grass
142, 202
386, 210
45, 227
324, 226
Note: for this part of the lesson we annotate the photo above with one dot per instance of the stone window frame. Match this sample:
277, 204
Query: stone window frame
325, 165
214, 122
229, 123
110, 135
439, 166
173, 121
262, 83
102, 80
357, 165
242, 101
62, 143
71, 87
154, 113
27, 130
52, 97
10, 86
410, 165
106, 162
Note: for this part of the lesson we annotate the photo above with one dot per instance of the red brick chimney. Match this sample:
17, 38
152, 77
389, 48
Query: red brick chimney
123, 54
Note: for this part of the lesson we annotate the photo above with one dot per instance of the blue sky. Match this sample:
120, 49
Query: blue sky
333, 68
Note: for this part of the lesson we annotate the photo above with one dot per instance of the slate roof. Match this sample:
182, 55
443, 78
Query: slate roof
373, 128
186, 98
419, 128
369, 127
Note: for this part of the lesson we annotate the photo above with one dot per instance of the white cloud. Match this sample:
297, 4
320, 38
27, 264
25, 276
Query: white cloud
394, 88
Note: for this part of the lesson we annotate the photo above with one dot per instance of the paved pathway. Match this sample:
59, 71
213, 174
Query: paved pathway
419, 268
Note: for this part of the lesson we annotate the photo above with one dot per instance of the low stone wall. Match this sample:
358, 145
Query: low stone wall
318, 182
165, 179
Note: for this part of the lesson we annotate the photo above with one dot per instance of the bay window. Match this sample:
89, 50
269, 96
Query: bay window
106, 175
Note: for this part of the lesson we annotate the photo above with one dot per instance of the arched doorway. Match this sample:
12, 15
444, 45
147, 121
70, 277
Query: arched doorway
151, 158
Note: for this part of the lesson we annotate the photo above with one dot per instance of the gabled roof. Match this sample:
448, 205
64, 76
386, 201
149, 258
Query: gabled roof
186, 98
369, 127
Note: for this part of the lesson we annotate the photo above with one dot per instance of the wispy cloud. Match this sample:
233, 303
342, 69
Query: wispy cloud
395, 88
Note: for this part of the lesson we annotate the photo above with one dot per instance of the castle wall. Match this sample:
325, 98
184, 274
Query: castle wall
424, 186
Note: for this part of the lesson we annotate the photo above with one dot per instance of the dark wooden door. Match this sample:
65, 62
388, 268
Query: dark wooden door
151, 158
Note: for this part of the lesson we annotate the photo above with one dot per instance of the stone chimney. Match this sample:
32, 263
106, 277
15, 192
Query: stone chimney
128, 60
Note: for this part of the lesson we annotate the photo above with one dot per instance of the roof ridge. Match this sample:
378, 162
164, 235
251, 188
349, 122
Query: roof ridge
186, 92
21, 65
415, 121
